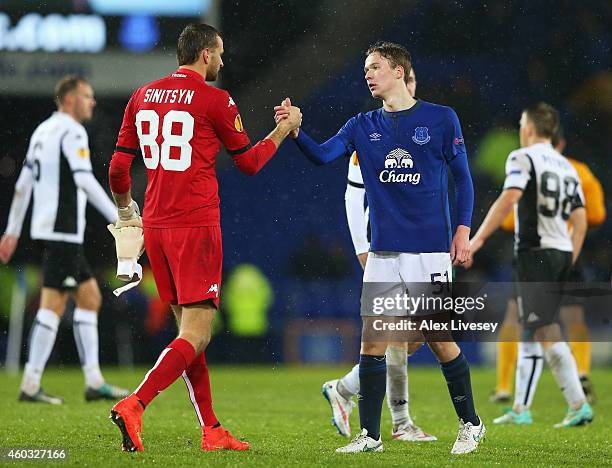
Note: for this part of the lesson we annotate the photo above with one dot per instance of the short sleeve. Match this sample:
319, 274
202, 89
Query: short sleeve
75, 148
228, 125
347, 134
518, 170
354, 172
453, 144
579, 200
127, 141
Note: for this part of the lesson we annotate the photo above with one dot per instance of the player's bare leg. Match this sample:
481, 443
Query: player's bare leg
574, 323
88, 301
457, 374
42, 339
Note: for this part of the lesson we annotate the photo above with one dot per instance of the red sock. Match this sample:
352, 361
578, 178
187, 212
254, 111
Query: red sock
198, 386
169, 366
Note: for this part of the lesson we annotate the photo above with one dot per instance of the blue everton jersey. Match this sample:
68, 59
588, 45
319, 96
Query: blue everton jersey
404, 158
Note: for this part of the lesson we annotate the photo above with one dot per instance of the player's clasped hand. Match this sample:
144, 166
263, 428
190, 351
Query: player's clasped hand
292, 114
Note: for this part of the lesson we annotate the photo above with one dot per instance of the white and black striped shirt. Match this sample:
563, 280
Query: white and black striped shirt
58, 170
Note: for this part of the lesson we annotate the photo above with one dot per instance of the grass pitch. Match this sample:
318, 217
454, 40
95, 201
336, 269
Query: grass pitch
283, 415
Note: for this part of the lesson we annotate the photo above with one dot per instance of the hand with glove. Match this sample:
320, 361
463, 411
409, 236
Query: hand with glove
129, 216
129, 244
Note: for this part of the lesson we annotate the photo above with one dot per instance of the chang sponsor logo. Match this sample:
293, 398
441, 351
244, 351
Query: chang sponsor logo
395, 164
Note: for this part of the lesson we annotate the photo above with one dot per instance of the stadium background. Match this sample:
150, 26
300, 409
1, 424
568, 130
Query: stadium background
291, 282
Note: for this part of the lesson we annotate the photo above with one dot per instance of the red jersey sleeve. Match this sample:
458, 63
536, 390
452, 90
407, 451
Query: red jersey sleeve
227, 123
126, 149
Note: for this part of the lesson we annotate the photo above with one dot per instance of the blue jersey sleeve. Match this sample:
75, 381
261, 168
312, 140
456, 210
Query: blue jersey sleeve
456, 156
339, 145
453, 144
464, 189
347, 134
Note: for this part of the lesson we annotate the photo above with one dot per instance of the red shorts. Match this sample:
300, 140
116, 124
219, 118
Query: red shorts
186, 263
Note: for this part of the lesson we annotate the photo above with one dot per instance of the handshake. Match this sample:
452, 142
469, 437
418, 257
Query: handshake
129, 243
288, 117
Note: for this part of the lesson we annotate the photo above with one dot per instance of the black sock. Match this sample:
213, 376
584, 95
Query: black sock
372, 388
457, 375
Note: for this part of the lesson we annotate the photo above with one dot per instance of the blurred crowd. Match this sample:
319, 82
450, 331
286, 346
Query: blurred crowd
487, 61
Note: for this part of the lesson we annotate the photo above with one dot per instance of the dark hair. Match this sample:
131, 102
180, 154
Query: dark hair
396, 54
195, 38
67, 84
558, 136
545, 118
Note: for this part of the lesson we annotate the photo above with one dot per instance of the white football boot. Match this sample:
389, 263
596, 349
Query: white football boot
411, 433
362, 443
340, 406
468, 438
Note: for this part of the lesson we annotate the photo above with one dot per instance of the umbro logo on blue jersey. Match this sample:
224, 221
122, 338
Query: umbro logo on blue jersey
421, 135
375, 136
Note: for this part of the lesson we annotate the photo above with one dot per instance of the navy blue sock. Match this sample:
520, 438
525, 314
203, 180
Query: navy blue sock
372, 388
457, 375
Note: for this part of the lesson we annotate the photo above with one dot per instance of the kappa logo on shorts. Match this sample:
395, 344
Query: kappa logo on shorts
213, 288
69, 282
532, 317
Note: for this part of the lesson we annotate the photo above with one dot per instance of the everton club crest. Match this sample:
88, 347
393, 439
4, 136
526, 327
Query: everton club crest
421, 135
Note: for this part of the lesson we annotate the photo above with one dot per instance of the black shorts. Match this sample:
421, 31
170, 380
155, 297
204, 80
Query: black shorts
64, 265
576, 275
541, 276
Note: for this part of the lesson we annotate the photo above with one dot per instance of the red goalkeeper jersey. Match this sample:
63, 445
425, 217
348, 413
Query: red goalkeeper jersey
177, 124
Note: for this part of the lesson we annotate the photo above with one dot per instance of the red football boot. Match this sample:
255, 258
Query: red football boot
127, 415
217, 438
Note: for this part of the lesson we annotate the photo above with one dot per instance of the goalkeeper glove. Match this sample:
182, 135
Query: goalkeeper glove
129, 244
129, 216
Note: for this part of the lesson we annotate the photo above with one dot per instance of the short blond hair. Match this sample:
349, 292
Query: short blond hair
66, 85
